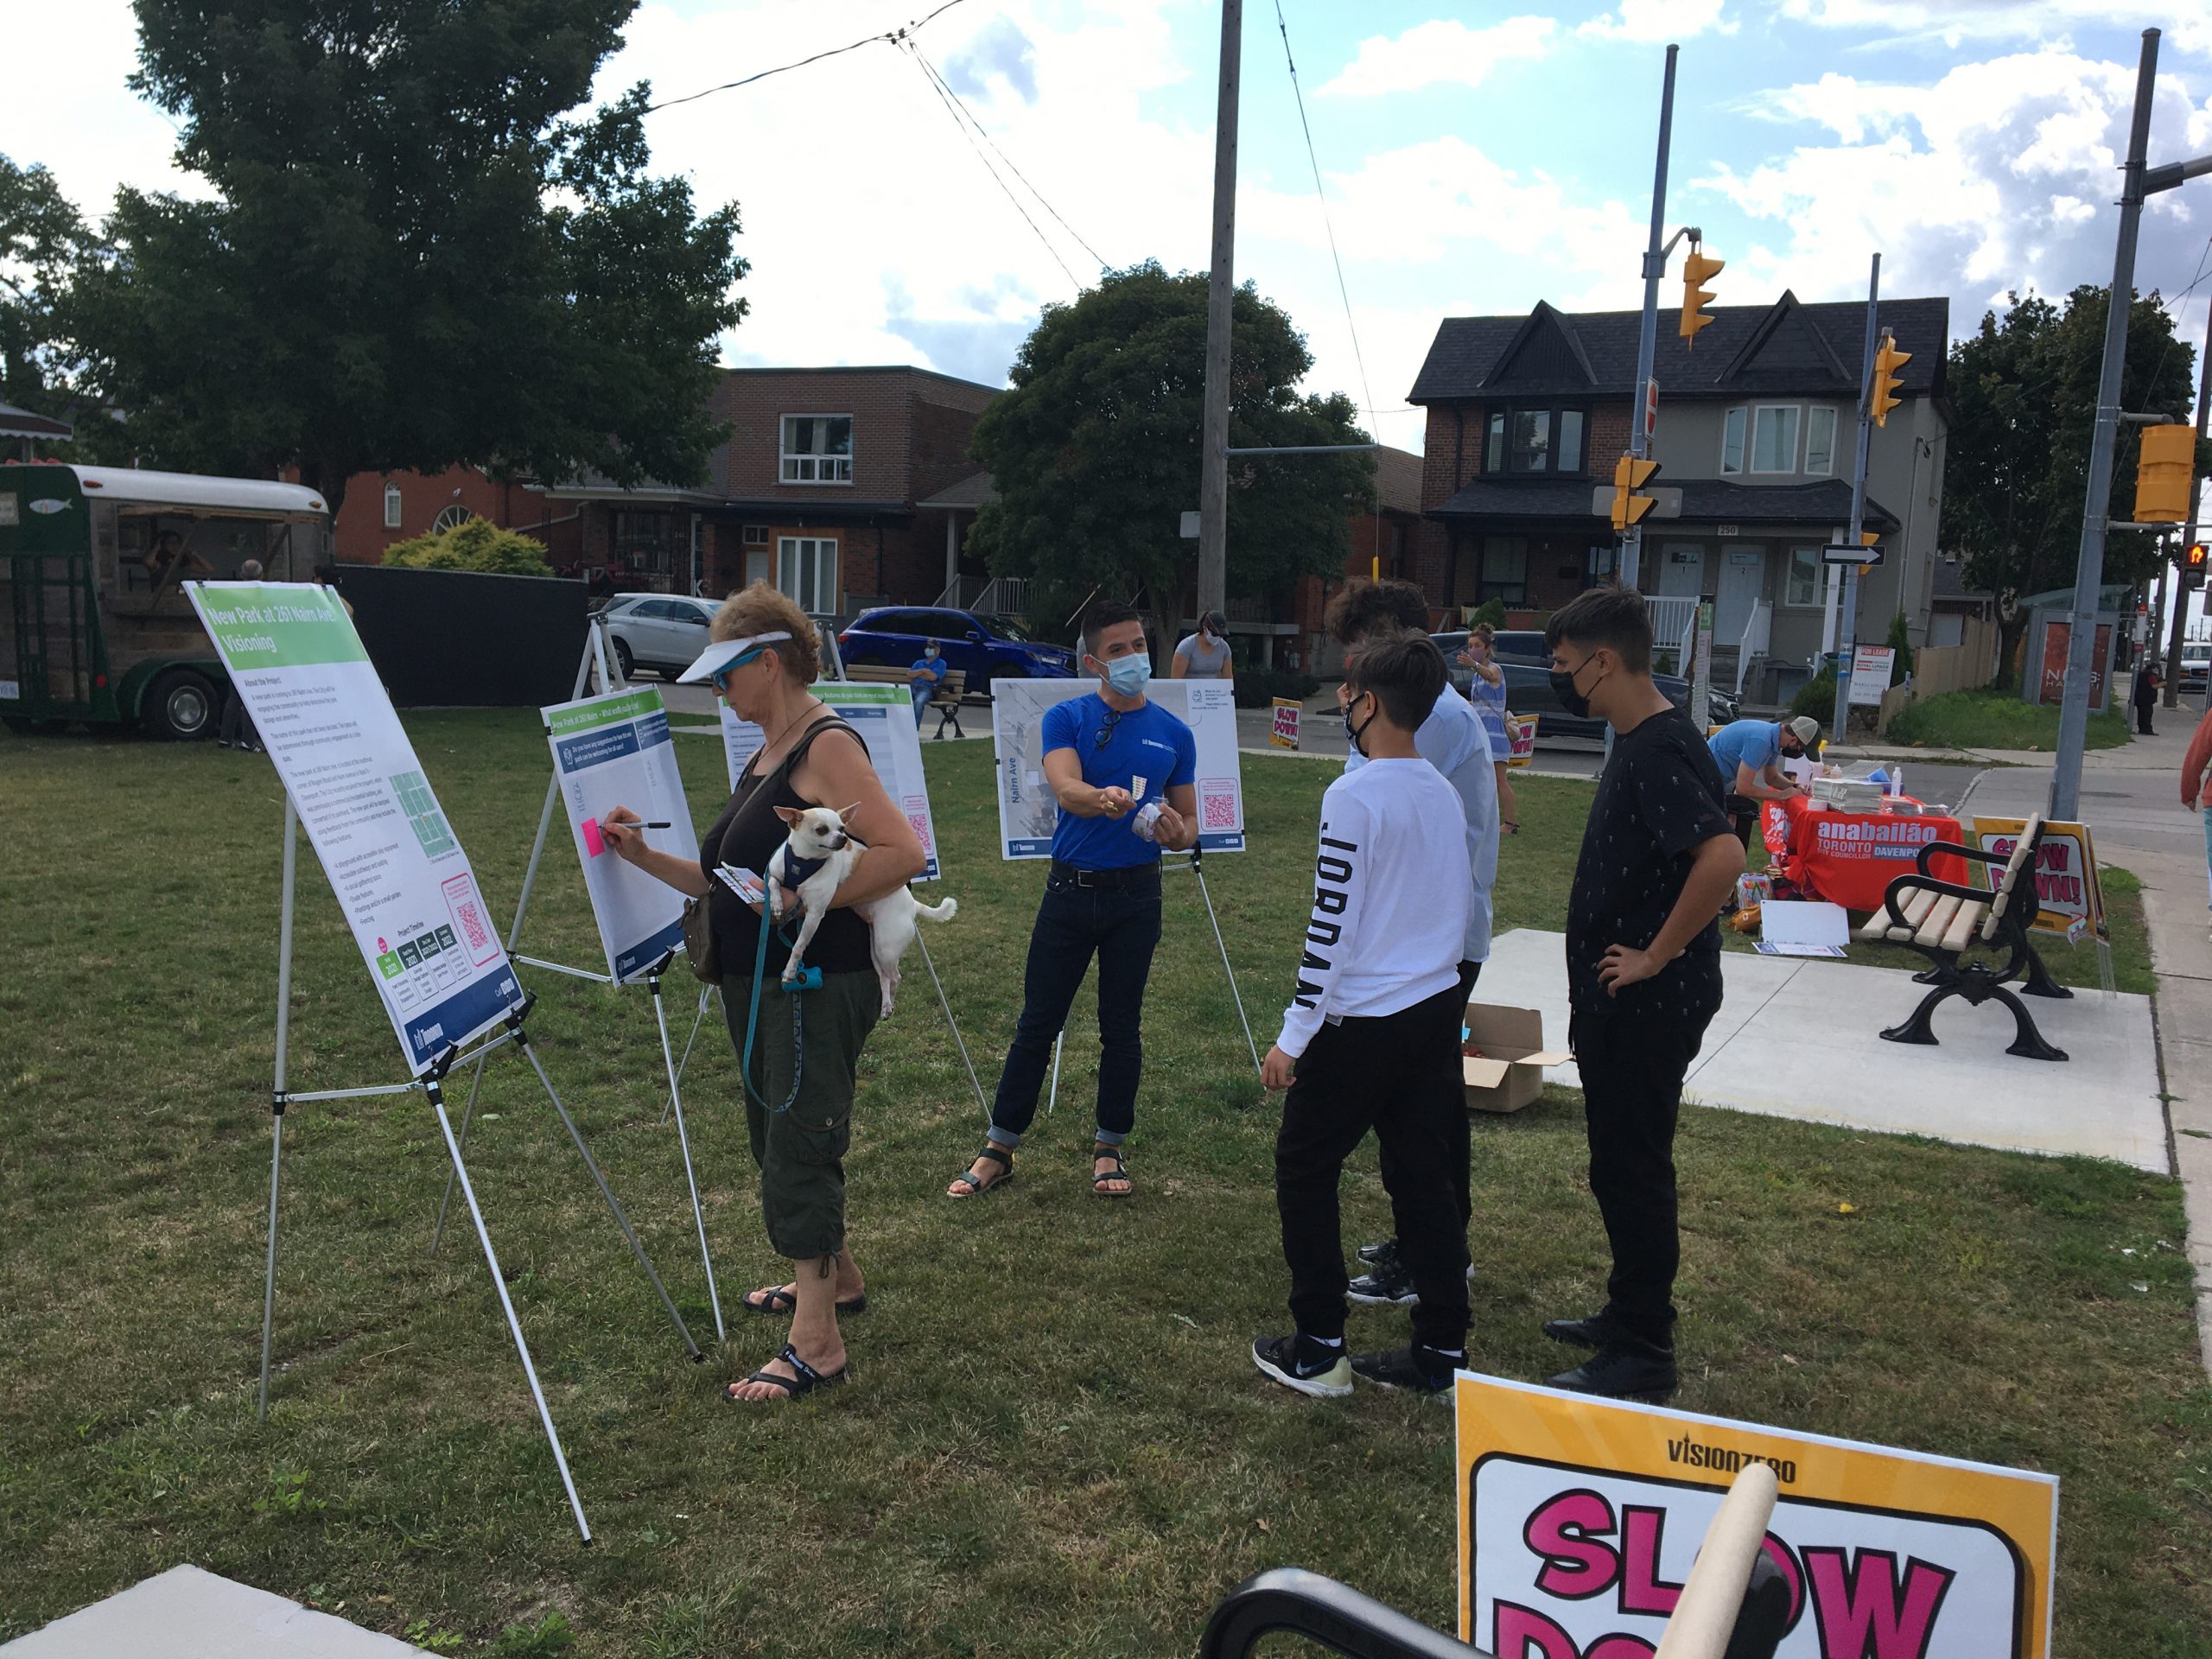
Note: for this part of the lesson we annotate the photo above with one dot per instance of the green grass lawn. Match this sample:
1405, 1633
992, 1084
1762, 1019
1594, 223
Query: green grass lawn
1990, 719
1056, 1443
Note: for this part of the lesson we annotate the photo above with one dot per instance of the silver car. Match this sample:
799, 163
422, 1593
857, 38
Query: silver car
665, 633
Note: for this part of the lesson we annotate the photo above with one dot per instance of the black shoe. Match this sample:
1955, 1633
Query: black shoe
1594, 1331
1625, 1369
1414, 1368
1379, 1254
1299, 1363
1389, 1284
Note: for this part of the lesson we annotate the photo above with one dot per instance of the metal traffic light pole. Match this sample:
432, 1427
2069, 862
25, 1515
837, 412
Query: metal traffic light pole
1647, 338
1846, 621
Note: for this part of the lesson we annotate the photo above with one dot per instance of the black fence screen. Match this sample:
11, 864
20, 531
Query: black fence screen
444, 638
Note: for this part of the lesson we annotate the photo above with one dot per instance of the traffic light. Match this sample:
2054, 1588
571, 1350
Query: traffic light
2192, 567
2162, 474
1887, 361
1698, 269
1630, 475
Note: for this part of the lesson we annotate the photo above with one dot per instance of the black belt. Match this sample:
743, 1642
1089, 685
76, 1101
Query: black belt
1132, 875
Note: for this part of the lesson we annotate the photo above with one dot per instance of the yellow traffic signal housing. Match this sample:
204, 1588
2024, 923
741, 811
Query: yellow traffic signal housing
1630, 475
2164, 474
1698, 268
1887, 361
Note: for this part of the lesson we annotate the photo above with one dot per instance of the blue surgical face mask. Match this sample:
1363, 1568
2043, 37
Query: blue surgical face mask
1129, 675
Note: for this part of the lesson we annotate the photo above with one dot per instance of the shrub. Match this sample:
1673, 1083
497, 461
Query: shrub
1491, 610
1900, 641
1817, 697
478, 544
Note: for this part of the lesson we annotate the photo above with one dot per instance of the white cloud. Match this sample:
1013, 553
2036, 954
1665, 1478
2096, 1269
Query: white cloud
74, 115
2187, 23
1441, 52
1660, 20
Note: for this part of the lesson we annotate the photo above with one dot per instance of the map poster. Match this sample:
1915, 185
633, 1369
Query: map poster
1027, 810
401, 881
884, 717
1579, 1517
613, 751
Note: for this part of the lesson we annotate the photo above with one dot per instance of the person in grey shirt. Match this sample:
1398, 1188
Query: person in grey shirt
1204, 655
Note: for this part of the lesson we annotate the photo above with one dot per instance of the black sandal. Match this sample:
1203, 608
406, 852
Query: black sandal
1119, 1173
805, 1382
775, 1299
992, 1152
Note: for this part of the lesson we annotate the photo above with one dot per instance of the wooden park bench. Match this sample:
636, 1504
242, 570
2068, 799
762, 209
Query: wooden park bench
1943, 920
945, 700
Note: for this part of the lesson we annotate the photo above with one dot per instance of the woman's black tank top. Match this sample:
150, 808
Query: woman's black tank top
748, 836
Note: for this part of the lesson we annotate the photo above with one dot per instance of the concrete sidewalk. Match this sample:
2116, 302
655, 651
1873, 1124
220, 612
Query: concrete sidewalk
186, 1613
1798, 1038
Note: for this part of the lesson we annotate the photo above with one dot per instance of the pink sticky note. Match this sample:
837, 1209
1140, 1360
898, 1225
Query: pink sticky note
594, 843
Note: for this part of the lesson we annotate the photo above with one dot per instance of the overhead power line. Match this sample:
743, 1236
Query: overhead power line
929, 75
893, 37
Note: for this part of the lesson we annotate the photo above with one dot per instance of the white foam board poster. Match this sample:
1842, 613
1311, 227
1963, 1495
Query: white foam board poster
402, 880
1027, 809
884, 717
615, 751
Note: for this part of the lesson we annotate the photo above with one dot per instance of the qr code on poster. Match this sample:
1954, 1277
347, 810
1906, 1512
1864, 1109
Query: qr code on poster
467, 913
1217, 804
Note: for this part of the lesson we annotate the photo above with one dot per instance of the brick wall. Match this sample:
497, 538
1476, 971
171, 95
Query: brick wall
360, 533
910, 430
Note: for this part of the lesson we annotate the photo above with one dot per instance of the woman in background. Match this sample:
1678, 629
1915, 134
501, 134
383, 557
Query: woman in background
1487, 692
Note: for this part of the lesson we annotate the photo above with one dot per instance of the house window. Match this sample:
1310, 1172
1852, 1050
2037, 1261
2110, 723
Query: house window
452, 518
1774, 438
1505, 569
1533, 441
756, 535
1732, 442
818, 449
646, 541
390, 506
1803, 588
1820, 441
806, 571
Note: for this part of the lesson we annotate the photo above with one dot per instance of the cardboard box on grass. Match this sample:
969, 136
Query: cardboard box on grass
1510, 1072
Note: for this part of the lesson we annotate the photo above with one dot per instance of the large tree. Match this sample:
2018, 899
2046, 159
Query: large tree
413, 256
2024, 395
1094, 451
42, 240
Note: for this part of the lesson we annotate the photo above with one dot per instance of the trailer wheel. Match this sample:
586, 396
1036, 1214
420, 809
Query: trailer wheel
180, 706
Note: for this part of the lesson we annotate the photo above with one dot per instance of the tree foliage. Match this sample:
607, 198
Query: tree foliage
413, 257
1094, 450
42, 240
473, 544
2023, 395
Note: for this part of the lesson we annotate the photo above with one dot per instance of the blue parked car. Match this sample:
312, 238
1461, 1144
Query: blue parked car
984, 648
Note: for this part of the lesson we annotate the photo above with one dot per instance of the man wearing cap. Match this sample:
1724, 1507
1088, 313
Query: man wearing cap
1750, 754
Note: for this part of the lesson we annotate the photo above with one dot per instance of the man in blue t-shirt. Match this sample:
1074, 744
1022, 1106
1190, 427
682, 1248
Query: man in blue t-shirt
1125, 773
1750, 754
926, 676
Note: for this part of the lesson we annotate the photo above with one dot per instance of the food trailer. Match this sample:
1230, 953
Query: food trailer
94, 624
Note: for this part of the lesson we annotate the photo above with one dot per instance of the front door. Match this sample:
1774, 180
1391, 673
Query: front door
1743, 576
1681, 568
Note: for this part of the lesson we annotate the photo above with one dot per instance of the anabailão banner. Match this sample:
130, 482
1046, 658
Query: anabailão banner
615, 751
884, 717
1579, 1519
404, 884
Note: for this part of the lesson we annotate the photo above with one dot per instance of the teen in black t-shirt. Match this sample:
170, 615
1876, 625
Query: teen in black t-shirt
1658, 861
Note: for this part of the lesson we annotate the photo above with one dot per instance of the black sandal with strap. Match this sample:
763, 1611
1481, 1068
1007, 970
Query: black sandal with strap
806, 1380
1119, 1173
994, 1154
777, 1301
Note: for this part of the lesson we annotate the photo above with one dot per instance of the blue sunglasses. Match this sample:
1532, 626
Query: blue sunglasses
720, 678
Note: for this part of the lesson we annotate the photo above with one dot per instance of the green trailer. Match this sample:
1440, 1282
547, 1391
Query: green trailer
94, 624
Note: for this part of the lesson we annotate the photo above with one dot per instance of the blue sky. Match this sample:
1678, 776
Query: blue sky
1477, 157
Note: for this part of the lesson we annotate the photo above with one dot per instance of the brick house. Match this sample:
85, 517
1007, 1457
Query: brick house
846, 487
1757, 424
1384, 539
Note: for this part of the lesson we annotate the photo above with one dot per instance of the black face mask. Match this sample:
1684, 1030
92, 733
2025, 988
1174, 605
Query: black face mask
1570, 699
1356, 733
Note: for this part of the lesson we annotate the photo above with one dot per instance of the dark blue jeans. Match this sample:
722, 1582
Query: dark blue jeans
1119, 926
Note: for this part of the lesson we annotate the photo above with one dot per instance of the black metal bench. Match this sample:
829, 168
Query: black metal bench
1944, 920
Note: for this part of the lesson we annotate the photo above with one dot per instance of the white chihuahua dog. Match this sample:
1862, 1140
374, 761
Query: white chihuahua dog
807, 871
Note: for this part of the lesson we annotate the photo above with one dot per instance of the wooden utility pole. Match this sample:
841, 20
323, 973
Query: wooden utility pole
1221, 290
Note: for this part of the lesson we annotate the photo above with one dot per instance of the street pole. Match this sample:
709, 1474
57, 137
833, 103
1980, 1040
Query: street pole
1221, 289
2169, 580
1647, 336
2089, 575
1846, 624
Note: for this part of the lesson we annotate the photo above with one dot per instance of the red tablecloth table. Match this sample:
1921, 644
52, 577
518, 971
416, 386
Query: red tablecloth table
1850, 858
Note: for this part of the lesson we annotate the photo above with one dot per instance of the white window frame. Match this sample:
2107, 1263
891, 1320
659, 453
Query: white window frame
390, 503
756, 536
450, 517
1796, 414
1790, 575
1735, 430
811, 466
1812, 416
791, 575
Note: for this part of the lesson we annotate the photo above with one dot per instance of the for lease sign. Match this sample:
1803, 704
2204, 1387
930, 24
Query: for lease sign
1580, 1519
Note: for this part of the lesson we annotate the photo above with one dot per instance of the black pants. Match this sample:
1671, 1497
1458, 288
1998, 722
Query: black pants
1743, 815
1398, 1075
1463, 1143
1633, 1059
2143, 716
237, 725
1121, 927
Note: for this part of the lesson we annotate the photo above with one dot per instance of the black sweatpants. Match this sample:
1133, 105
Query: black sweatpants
1633, 1059
1398, 1075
